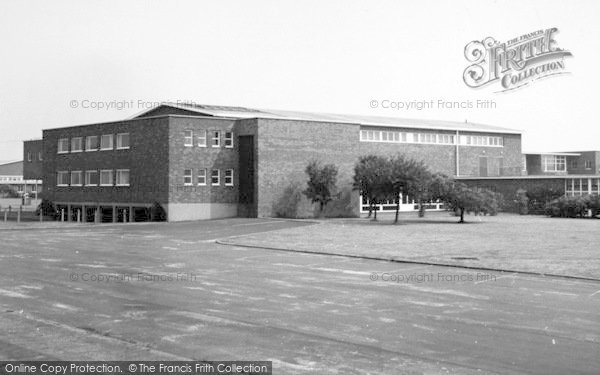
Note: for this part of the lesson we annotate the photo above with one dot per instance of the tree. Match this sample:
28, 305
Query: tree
464, 198
370, 179
321, 183
409, 177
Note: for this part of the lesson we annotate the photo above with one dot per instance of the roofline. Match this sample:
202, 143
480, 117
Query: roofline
279, 117
11, 162
476, 130
140, 119
552, 153
529, 177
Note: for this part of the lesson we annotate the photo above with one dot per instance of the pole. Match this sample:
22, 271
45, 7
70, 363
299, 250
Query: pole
19, 214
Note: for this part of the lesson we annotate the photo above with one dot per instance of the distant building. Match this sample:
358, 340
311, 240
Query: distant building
11, 174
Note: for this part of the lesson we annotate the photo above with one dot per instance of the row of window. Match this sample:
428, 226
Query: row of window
93, 143
29, 158
429, 138
201, 175
201, 138
104, 177
582, 186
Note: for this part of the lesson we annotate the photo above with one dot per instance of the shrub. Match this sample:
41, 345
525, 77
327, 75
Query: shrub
522, 201
575, 206
341, 205
287, 205
46, 208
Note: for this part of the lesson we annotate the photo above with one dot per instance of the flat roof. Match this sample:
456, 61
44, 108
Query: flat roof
553, 153
528, 177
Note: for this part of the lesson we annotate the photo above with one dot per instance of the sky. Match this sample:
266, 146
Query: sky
76, 62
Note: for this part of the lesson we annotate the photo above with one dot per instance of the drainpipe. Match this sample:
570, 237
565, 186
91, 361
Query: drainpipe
457, 157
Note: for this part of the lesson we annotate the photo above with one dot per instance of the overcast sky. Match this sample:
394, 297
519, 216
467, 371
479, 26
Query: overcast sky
327, 56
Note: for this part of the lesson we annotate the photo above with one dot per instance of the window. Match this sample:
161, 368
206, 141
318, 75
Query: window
63, 145
29, 156
40, 156
202, 177
573, 164
91, 178
216, 139
122, 177
62, 178
91, 143
554, 163
202, 138
215, 177
122, 141
106, 177
229, 177
76, 144
588, 164
188, 138
106, 142
76, 178
228, 139
187, 177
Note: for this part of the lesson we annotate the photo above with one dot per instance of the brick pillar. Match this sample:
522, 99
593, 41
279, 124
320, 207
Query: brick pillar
114, 214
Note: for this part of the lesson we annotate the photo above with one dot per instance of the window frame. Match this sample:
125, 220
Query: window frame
86, 180
112, 142
64, 173
225, 177
117, 174
61, 150
230, 139
203, 137
120, 136
218, 176
588, 164
87, 146
73, 173
201, 174
111, 177
73, 149
216, 139
190, 176
186, 138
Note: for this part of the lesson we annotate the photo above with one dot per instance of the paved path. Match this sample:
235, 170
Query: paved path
167, 291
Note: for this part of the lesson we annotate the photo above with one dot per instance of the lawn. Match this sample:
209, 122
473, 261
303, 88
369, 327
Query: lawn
538, 244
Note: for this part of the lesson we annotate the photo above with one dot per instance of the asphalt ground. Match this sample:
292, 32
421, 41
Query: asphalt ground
168, 291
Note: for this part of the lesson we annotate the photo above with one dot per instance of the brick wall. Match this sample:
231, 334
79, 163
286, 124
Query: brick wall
32, 165
195, 158
147, 160
285, 147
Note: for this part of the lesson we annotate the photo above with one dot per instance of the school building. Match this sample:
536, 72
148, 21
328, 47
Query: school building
203, 162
